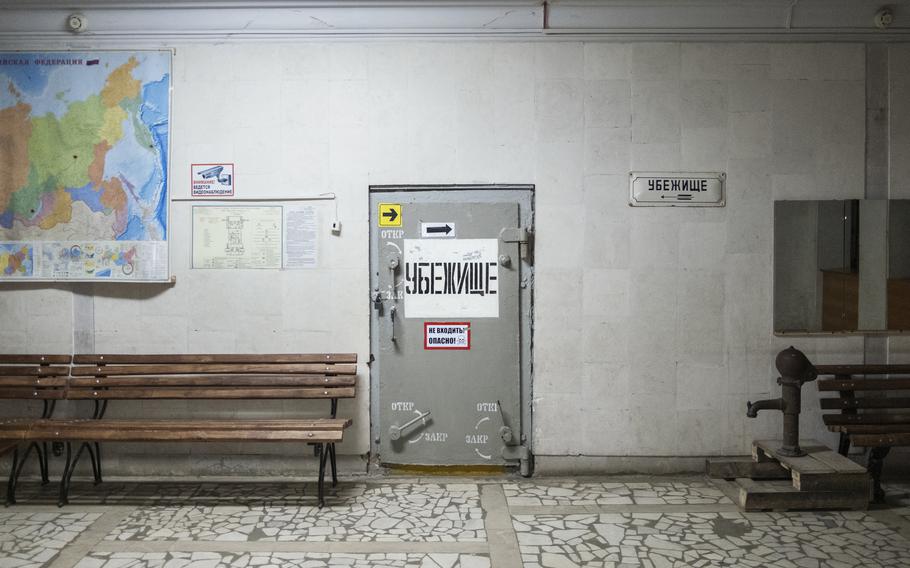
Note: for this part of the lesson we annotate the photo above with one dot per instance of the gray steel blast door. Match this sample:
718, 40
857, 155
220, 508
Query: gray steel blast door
451, 285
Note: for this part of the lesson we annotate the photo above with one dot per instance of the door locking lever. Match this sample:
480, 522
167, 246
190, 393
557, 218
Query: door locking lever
393, 264
392, 312
395, 430
506, 431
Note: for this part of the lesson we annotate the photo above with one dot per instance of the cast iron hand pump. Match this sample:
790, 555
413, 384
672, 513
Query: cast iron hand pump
795, 369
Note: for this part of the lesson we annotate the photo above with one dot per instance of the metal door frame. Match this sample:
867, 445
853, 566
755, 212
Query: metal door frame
523, 195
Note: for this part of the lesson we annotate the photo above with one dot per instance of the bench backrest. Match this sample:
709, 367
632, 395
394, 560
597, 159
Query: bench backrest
36, 377
862, 387
269, 376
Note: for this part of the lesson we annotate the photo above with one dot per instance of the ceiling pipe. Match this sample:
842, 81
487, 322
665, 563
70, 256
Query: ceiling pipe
26, 23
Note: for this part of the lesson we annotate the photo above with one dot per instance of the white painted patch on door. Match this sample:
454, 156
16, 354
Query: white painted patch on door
451, 278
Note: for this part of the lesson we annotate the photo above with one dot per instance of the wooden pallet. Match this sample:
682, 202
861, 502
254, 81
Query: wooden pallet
822, 479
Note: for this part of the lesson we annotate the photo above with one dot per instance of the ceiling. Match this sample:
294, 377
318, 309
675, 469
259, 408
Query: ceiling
30, 21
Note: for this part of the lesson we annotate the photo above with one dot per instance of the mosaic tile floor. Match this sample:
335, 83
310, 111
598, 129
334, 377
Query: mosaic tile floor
289, 559
404, 523
208, 493
34, 539
710, 539
400, 512
898, 494
577, 493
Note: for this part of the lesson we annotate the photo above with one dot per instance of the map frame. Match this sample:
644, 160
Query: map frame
161, 246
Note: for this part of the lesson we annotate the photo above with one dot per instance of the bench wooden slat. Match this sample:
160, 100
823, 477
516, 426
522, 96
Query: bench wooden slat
166, 435
35, 425
870, 428
863, 384
321, 430
217, 368
862, 369
880, 402
878, 418
36, 371
32, 393
115, 359
34, 359
215, 381
873, 440
126, 393
199, 424
44, 382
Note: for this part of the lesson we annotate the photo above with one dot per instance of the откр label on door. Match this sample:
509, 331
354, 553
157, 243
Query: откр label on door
447, 335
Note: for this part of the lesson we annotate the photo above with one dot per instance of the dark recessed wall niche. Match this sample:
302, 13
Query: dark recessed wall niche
842, 266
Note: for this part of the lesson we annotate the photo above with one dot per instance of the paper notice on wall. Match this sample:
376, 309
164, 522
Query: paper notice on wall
113, 260
451, 278
237, 237
301, 237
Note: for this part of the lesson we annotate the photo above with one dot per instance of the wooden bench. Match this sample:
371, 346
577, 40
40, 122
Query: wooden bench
31, 377
106, 378
870, 416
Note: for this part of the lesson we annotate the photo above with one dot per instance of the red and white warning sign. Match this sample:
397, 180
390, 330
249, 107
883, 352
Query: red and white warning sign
209, 180
447, 335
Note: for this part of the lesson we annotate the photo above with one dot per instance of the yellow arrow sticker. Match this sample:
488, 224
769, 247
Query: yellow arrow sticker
390, 214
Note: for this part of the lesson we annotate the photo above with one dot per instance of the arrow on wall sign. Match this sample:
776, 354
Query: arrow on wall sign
445, 229
392, 215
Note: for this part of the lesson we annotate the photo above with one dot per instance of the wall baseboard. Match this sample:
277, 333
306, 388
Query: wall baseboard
270, 467
618, 465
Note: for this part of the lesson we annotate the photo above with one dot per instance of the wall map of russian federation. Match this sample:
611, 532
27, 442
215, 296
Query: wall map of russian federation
83, 156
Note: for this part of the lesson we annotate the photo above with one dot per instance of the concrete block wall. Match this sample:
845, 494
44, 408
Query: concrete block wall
669, 310
652, 325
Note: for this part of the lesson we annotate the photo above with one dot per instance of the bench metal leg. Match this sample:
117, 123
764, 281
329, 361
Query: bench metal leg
11, 484
100, 410
62, 500
876, 460
843, 446
19, 464
67, 474
334, 403
96, 462
43, 456
98, 478
334, 469
323, 456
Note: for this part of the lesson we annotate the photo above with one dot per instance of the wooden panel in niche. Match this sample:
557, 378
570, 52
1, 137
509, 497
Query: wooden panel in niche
840, 300
899, 303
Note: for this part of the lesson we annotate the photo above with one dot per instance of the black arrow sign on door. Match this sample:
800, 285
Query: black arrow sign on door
392, 215
446, 229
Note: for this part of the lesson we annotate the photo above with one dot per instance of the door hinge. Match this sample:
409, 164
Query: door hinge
519, 235
514, 235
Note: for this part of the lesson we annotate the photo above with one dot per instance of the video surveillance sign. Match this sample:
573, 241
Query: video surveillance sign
212, 180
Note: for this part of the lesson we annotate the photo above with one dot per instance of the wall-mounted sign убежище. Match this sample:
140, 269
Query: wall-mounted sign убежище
677, 189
